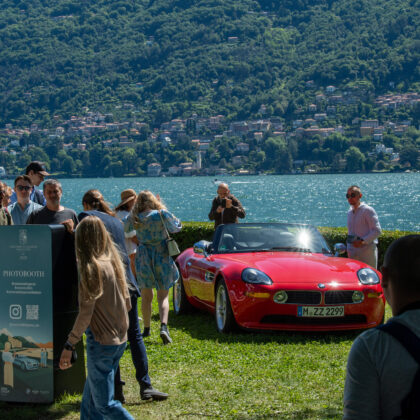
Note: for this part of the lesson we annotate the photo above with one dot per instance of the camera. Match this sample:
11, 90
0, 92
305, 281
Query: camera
224, 203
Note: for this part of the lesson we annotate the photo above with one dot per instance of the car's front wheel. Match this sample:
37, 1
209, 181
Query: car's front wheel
180, 300
225, 320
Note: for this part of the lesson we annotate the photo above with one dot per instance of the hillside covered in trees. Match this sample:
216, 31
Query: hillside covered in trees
146, 62
173, 58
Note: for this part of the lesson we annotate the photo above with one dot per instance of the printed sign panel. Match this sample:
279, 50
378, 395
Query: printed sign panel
26, 314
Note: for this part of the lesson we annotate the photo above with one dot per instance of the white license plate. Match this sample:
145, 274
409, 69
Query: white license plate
320, 311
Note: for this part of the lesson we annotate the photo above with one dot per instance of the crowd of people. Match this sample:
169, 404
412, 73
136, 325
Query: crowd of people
122, 254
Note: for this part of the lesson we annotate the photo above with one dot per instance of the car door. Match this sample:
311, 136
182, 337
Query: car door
201, 271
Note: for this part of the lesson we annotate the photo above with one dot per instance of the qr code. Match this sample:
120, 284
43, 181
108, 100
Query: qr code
32, 312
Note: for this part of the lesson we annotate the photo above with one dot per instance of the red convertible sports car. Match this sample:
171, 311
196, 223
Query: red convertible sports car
277, 276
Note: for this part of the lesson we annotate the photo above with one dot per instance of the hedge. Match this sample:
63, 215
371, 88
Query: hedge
193, 232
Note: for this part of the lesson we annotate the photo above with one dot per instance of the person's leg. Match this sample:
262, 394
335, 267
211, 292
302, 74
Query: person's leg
146, 306
137, 348
133, 263
88, 410
102, 364
118, 386
163, 303
369, 255
139, 356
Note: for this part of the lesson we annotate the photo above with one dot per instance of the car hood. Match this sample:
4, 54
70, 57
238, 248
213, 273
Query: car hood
297, 267
26, 359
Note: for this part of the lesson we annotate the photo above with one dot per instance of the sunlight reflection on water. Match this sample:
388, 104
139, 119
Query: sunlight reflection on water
314, 199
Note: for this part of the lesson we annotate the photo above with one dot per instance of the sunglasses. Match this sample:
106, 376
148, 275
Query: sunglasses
23, 188
352, 195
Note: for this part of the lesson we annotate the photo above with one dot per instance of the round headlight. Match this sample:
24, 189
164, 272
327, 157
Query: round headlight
254, 276
280, 297
367, 276
358, 296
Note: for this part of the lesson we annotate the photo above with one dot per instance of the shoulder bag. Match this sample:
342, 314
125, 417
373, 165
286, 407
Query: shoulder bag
170, 242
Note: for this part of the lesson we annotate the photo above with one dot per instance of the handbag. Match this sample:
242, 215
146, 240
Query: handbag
173, 248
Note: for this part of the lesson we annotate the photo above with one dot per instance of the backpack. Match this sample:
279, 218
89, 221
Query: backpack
410, 405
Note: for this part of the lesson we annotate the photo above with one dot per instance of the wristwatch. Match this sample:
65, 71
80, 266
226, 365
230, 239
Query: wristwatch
68, 346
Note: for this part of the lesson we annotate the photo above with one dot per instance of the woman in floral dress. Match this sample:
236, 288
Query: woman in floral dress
155, 268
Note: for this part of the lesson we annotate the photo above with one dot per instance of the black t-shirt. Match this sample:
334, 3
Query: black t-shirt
45, 216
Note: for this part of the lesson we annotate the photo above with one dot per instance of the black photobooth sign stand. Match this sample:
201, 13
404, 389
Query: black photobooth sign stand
38, 306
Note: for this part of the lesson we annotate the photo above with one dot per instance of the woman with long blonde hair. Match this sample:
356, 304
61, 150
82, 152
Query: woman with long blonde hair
103, 305
155, 268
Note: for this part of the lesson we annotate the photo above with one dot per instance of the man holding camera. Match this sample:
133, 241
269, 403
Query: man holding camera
225, 208
363, 229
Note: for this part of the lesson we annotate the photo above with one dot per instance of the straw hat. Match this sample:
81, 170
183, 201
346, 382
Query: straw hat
126, 196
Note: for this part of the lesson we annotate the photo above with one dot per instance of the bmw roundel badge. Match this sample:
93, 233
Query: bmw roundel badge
321, 285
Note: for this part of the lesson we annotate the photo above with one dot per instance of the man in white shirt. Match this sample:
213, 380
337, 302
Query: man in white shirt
380, 370
363, 229
24, 206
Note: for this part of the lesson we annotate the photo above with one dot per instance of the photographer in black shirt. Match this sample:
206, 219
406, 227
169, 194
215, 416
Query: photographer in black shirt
225, 208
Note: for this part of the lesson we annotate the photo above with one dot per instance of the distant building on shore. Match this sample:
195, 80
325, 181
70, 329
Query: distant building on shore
154, 169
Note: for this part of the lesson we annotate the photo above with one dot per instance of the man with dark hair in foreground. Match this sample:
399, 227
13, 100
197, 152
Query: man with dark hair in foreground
380, 371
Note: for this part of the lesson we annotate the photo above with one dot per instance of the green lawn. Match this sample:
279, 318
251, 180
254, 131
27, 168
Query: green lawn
241, 376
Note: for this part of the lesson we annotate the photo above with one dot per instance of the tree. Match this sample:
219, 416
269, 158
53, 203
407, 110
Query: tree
355, 159
409, 154
69, 165
129, 159
278, 155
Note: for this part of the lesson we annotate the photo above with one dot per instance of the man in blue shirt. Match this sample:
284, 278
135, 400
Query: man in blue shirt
37, 172
23, 207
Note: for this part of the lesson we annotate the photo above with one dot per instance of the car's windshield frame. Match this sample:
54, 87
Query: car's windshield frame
223, 231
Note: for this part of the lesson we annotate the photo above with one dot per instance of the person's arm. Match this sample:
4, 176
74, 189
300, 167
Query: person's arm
213, 210
128, 225
69, 225
374, 227
237, 207
172, 223
86, 309
83, 319
362, 386
129, 234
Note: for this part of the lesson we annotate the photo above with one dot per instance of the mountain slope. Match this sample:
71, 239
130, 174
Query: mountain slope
172, 58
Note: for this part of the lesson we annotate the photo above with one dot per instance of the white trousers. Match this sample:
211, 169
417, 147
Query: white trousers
367, 254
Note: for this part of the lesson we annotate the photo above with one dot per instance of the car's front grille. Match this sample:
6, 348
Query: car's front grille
295, 320
338, 296
303, 297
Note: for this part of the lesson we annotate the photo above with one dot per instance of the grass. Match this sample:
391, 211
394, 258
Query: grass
214, 376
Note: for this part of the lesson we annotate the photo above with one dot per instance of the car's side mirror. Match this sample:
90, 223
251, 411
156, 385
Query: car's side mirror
202, 247
339, 249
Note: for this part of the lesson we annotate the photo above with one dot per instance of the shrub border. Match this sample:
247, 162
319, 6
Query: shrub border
193, 232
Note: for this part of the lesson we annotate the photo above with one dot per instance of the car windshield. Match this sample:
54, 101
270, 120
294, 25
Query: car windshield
248, 237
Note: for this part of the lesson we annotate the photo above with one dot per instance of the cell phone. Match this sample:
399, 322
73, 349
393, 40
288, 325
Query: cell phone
224, 203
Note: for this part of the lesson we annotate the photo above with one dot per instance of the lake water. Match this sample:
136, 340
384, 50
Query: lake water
315, 199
